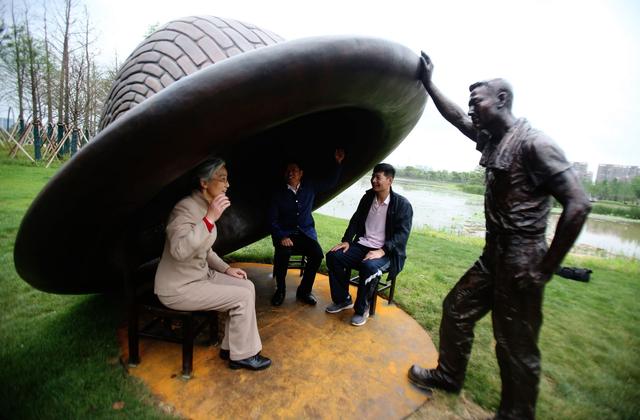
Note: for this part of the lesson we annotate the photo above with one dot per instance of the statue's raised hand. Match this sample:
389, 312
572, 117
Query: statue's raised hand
426, 68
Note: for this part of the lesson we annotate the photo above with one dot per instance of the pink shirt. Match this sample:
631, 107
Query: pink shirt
374, 225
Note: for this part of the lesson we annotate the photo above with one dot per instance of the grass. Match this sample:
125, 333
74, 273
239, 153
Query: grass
612, 208
472, 188
59, 354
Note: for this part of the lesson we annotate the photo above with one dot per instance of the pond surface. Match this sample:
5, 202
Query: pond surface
457, 212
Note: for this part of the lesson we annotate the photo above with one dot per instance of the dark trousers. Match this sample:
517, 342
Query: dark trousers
340, 264
490, 285
306, 246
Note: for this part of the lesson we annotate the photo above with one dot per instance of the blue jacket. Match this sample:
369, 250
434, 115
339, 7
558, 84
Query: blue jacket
290, 213
397, 227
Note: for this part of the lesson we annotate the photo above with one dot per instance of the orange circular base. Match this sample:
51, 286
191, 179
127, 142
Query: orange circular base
323, 367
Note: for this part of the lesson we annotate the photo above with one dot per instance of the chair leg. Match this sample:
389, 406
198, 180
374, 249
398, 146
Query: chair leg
392, 289
213, 328
372, 305
374, 297
134, 352
303, 264
187, 347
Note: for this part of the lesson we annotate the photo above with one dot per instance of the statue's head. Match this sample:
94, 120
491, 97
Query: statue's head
489, 100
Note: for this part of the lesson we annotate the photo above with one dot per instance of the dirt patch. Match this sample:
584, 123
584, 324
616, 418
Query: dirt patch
442, 406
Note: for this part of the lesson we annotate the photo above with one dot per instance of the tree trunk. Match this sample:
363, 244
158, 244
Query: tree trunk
88, 117
78, 74
63, 89
47, 60
19, 67
35, 100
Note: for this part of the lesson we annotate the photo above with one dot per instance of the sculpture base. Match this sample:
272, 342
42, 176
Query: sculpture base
323, 367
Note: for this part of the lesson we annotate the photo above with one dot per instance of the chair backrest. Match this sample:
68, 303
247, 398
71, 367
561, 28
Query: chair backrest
144, 249
148, 243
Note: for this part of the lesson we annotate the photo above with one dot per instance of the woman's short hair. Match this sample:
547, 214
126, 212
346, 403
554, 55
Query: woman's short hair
204, 171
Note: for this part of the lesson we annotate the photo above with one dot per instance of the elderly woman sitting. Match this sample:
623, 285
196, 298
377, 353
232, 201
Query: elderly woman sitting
192, 277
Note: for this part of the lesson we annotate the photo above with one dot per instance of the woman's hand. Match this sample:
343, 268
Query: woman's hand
217, 206
236, 272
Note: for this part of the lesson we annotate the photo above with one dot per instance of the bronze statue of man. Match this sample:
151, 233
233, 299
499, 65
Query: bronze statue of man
524, 169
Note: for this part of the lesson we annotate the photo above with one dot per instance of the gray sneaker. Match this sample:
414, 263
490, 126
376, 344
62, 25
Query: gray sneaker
334, 308
359, 320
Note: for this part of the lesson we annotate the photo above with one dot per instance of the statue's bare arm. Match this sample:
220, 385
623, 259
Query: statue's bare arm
566, 188
449, 110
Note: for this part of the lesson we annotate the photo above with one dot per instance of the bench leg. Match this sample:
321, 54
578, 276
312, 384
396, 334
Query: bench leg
303, 264
391, 290
187, 347
374, 298
372, 305
213, 328
134, 351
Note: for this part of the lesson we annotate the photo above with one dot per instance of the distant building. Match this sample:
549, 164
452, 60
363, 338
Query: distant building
609, 172
582, 171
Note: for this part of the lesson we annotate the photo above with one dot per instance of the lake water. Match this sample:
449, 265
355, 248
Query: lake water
453, 211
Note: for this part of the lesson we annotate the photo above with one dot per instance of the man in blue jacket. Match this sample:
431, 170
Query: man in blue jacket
292, 227
375, 241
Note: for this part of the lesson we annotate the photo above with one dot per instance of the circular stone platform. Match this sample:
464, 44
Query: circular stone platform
323, 367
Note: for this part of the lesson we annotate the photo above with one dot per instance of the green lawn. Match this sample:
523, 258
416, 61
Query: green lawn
59, 355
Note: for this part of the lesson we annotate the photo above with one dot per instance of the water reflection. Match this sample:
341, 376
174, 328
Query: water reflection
614, 236
450, 210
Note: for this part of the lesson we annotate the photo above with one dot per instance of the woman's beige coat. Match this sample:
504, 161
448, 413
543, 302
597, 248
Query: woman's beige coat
187, 254
190, 277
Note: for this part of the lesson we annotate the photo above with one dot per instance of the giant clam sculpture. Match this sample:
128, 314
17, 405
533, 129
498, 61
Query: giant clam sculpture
203, 86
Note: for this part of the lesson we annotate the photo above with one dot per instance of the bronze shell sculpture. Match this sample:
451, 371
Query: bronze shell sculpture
203, 86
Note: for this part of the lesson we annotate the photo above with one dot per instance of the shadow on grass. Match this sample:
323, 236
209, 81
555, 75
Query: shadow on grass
68, 367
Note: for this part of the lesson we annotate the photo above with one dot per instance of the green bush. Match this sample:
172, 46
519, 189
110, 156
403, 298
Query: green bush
472, 188
620, 210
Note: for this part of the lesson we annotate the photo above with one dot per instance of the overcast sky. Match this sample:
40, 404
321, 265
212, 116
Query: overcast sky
574, 65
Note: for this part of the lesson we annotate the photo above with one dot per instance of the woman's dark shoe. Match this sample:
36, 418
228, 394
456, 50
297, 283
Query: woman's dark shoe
278, 297
256, 362
224, 354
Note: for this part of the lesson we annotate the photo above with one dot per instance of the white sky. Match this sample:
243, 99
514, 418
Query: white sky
574, 64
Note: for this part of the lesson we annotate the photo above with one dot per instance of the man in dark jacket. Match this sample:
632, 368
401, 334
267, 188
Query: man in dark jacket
375, 242
292, 227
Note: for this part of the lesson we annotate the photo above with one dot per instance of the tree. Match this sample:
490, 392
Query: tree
63, 87
49, 69
92, 97
33, 77
4, 36
635, 187
78, 68
17, 63
52, 73
32, 60
87, 86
